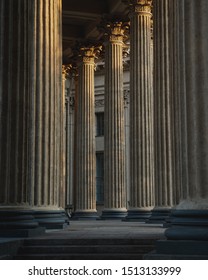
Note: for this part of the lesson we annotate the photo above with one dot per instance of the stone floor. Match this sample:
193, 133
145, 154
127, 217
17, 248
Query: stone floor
108, 229
104, 229
83, 231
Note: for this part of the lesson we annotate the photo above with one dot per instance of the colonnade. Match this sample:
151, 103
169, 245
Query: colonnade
168, 121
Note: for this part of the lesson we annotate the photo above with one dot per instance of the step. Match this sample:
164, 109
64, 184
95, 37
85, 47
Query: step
87, 249
80, 257
91, 241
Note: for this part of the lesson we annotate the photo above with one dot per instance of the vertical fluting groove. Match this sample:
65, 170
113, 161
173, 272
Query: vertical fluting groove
39, 105
9, 104
2, 27
19, 154
61, 109
2, 3
32, 101
141, 113
52, 108
56, 123
17, 124
25, 191
45, 178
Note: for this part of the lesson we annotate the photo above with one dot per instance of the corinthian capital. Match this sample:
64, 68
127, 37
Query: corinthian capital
66, 68
116, 31
139, 6
88, 54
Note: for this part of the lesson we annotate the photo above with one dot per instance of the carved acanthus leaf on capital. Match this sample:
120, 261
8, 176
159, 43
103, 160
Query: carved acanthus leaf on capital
89, 54
70, 70
139, 6
116, 31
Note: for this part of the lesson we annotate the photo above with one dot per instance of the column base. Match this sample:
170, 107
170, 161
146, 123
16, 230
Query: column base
85, 215
19, 223
137, 215
188, 225
187, 238
51, 219
159, 215
111, 214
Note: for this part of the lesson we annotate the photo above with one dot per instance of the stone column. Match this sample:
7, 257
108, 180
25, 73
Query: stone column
114, 143
30, 90
85, 206
190, 219
141, 112
164, 128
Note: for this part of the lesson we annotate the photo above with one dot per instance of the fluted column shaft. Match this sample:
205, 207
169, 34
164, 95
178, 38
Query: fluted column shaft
191, 41
45, 104
194, 24
141, 110
30, 93
163, 110
166, 114
85, 138
14, 122
114, 155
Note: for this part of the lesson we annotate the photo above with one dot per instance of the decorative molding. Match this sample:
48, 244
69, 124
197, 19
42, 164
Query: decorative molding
99, 103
